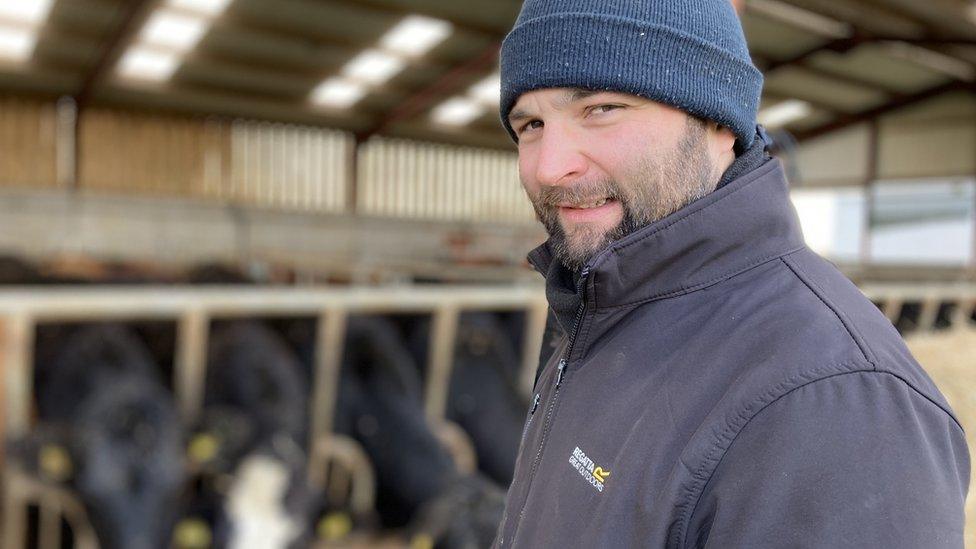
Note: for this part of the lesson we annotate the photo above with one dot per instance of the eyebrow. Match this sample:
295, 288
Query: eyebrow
571, 96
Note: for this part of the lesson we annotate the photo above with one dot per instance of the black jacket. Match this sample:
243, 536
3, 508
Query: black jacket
721, 385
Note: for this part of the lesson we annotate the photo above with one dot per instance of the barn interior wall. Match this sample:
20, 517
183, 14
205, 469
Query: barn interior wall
934, 139
45, 224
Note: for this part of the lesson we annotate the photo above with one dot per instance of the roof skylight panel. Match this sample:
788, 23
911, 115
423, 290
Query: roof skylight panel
373, 67
784, 113
457, 111
338, 93
29, 12
20, 21
16, 43
209, 8
415, 35
488, 90
142, 63
171, 32
412, 37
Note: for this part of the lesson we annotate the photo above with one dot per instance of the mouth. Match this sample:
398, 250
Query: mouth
586, 205
589, 211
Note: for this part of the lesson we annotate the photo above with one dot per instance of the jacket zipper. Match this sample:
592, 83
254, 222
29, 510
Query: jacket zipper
535, 405
550, 407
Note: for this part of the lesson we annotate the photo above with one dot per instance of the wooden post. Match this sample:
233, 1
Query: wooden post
329, 342
16, 346
440, 361
352, 177
869, 181
66, 147
191, 363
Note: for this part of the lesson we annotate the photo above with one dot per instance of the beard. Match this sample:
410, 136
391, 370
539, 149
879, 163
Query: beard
655, 188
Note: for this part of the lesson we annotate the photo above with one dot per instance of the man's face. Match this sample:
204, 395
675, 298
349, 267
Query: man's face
599, 165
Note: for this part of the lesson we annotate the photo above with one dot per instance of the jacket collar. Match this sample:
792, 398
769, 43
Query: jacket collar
746, 222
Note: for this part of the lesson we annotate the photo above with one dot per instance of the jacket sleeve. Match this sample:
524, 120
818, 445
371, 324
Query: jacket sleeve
854, 460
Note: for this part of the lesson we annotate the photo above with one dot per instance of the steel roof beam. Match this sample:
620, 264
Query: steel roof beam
848, 120
837, 45
134, 14
439, 89
763, 63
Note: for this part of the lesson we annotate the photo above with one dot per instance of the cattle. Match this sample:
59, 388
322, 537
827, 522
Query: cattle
250, 444
380, 405
483, 394
121, 443
243, 484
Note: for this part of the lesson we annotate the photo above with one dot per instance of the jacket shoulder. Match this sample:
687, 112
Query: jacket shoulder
812, 325
837, 462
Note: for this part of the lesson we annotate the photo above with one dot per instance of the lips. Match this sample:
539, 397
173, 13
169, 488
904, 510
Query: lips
587, 205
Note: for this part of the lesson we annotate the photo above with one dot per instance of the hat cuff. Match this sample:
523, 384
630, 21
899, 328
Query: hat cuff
583, 50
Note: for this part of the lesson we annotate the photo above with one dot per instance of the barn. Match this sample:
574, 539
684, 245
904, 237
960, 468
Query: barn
263, 277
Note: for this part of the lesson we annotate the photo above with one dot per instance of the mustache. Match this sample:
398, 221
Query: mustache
553, 195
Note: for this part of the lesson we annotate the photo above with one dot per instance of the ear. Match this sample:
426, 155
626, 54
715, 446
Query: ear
721, 145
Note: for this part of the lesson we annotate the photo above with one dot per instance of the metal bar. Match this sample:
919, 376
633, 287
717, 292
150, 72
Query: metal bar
962, 316
66, 133
14, 510
171, 302
873, 166
440, 360
928, 314
50, 523
16, 358
191, 363
848, 120
893, 309
329, 342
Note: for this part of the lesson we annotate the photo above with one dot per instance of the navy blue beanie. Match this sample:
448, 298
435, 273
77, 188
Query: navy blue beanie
690, 54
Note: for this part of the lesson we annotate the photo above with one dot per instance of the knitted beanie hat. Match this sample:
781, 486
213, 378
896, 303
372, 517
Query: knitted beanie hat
690, 54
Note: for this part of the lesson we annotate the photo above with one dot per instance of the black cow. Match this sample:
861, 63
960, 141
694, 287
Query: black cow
380, 406
483, 396
250, 444
103, 404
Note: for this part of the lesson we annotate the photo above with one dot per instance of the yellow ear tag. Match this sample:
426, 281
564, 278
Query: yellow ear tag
55, 463
422, 541
334, 526
192, 534
203, 448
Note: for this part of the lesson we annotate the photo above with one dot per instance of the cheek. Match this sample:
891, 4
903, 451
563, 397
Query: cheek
526, 171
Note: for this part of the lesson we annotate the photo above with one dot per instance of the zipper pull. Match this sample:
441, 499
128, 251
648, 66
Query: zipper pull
535, 403
562, 370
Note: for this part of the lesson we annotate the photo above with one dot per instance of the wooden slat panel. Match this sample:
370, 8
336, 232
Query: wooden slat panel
27, 139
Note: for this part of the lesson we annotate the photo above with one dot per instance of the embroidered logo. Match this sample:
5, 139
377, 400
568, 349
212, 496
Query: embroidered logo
593, 473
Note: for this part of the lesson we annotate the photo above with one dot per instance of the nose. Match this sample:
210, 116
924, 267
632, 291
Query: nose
560, 157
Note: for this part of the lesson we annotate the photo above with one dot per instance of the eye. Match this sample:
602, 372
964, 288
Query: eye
602, 109
530, 125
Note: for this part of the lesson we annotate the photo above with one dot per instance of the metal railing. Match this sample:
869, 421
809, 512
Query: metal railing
954, 303
193, 309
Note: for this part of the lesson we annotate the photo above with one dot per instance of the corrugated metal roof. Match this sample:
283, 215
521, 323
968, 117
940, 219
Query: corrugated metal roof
849, 60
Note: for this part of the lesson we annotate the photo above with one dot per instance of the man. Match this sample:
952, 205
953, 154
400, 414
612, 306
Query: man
718, 384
